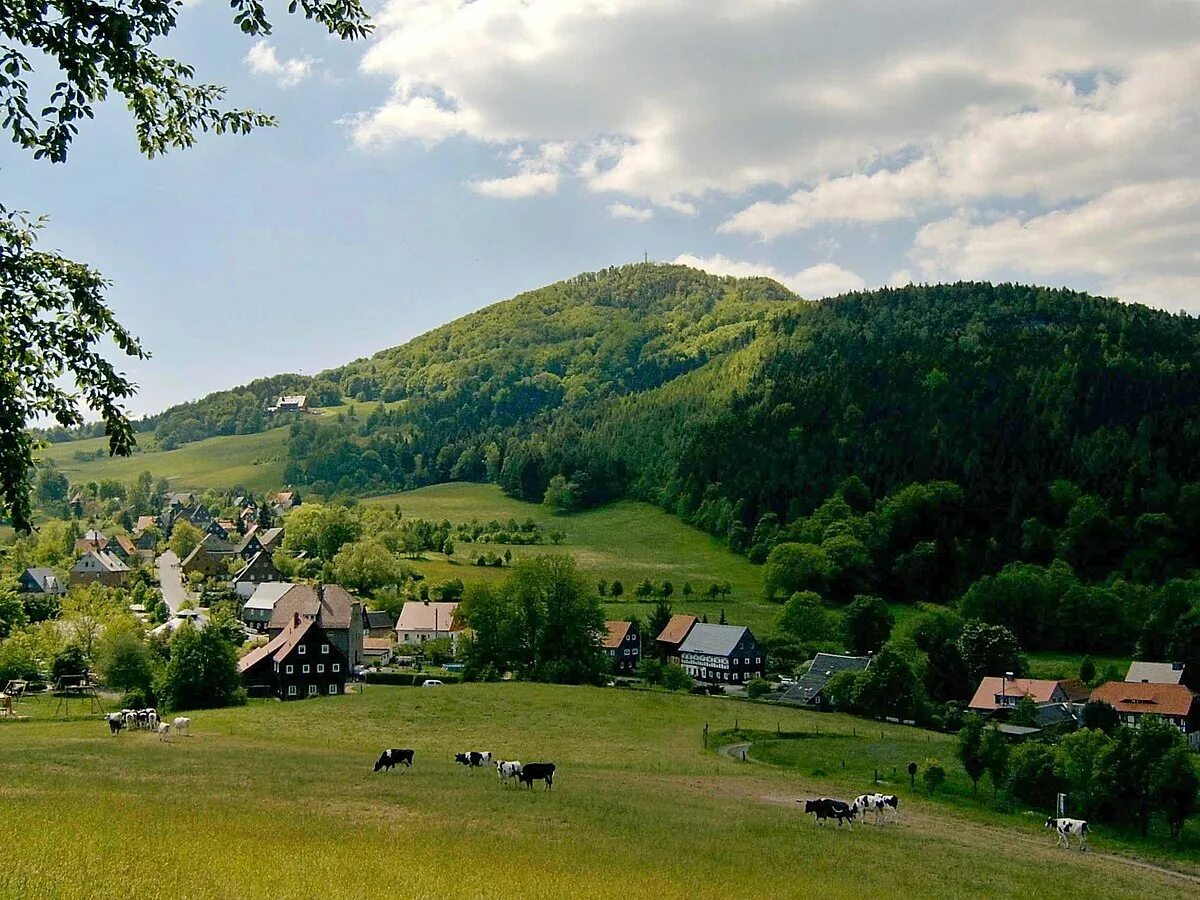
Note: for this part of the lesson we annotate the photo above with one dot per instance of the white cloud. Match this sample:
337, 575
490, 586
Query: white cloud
524, 184
821, 280
287, 73
633, 213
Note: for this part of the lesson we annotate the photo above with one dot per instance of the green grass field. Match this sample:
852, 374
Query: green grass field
628, 541
254, 461
278, 800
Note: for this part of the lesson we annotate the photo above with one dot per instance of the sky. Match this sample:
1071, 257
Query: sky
473, 149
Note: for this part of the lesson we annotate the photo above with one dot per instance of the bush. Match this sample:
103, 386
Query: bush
136, 699
651, 670
674, 678
1031, 775
757, 687
933, 776
69, 661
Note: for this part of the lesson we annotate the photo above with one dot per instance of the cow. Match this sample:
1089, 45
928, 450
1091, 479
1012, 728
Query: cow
182, 725
389, 759
826, 808
878, 804
531, 772
1068, 827
473, 759
143, 718
131, 720
152, 719
164, 731
508, 771
116, 722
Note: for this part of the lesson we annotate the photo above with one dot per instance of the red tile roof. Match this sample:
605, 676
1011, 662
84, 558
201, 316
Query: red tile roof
615, 634
1039, 690
677, 629
1138, 697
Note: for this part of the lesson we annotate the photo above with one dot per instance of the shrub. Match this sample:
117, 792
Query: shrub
757, 687
1031, 775
69, 661
674, 678
933, 776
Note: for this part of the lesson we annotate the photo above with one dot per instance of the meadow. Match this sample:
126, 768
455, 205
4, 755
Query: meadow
279, 800
254, 461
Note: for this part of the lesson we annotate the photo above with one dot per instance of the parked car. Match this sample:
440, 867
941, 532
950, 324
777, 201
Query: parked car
431, 682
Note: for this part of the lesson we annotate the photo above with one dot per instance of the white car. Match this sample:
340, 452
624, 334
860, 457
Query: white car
431, 682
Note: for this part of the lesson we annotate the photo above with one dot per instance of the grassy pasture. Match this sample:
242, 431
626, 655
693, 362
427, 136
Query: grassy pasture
627, 540
254, 461
279, 800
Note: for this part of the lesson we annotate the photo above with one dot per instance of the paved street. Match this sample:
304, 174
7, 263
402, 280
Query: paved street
171, 581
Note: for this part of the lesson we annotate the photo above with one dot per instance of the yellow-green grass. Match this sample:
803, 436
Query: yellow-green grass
626, 541
1053, 664
279, 800
254, 461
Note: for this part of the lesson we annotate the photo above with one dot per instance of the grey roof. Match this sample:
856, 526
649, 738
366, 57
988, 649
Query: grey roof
1155, 672
713, 640
107, 560
379, 618
1017, 730
47, 580
267, 594
824, 666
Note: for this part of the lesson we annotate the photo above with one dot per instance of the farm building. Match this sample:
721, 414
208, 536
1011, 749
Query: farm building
101, 566
197, 618
426, 620
673, 635
379, 623
1001, 692
623, 644
337, 613
378, 650
250, 545
809, 689
203, 562
722, 654
124, 549
1155, 672
1176, 703
301, 661
290, 403
260, 603
40, 581
91, 540
258, 570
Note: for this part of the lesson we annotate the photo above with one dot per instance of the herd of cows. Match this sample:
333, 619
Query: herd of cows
828, 808
506, 770
146, 720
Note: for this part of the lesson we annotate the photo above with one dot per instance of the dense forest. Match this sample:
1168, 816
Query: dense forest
922, 442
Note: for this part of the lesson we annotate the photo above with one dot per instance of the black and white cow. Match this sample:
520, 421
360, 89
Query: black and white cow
826, 808
531, 772
473, 759
389, 759
878, 804
508, 770
1068, 827
116, 722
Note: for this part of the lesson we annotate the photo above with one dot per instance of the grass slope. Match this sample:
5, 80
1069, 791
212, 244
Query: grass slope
254, 461
279, 800
627, 540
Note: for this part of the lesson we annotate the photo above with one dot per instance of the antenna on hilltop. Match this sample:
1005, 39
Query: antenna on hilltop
645, 256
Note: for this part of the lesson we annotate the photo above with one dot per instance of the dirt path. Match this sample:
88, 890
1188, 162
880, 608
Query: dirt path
945, 826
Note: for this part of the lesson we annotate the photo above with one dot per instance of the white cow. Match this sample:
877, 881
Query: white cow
164, 731
878, 804
152, 719
183, 725
508, 771
1068, 827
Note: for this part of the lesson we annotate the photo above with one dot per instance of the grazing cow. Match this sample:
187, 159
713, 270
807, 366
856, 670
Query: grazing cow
116, 722
531, 772
131, 720
473, 759
878, 804
1066, 828
389, 759
508, 771
143, 718
164, 731
826, 808
152, 719
183, 725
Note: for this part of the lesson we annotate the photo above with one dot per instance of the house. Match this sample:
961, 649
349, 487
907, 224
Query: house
302, 660
259, 569
673, 635
91, 540
1155, 672
260, 604
250, 545
218, 547
998, 693
377, 651
200, 560
722, 654
40, 581
379, 623
284, 501
197, 618
271, 539
1176, 703
623, 644
426, 620
124, 549
338, 614
145, 522
146, 541
290, 403
101, 566
809, 689
217, 529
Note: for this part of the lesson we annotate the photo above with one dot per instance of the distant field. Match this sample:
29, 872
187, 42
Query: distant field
278, 800
1066, 665
254, 461
626, 541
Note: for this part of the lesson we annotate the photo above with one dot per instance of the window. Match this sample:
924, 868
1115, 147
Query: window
333, 689
336, 667
324, 649
626, 651
276, 667
290, 668
312, 690
291, 690
758, 660
320, 668
301, 649
305, 669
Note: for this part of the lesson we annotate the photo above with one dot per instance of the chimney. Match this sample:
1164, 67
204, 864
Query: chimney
1009, 676
296, 619
1176, 667
320, 592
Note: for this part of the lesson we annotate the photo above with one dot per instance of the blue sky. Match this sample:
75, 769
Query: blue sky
469, 151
